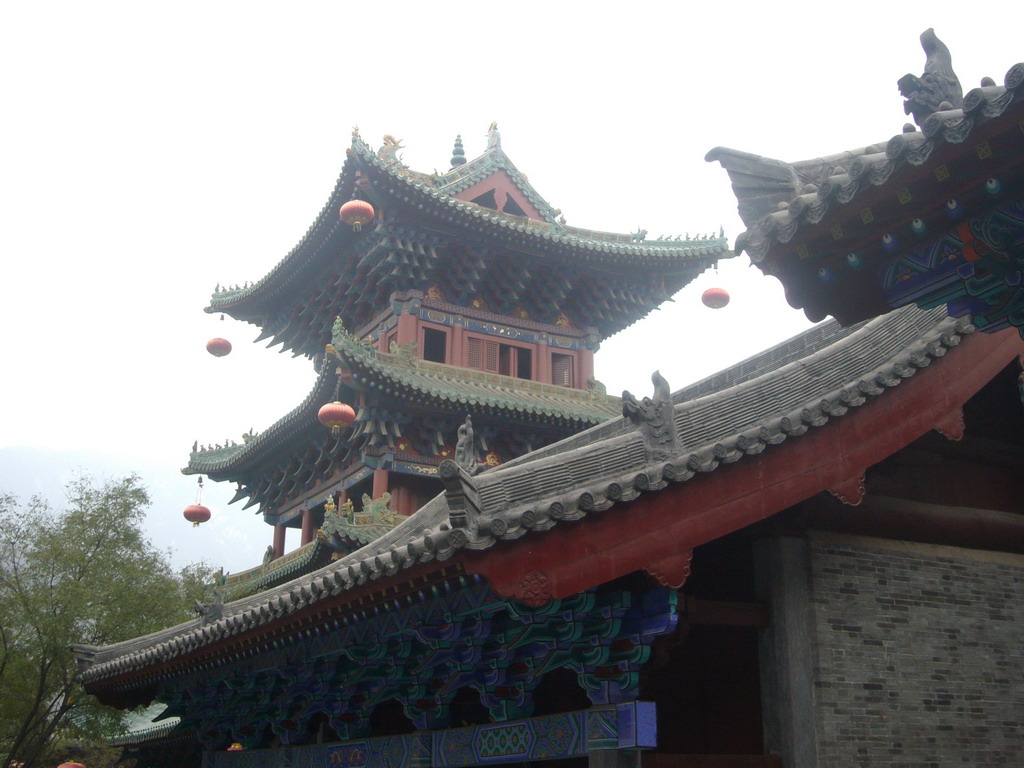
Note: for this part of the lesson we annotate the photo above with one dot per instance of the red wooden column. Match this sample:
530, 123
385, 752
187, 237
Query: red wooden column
308, 529
380, 483
408, 330
586, 372
279, 532
457, 355
542, 370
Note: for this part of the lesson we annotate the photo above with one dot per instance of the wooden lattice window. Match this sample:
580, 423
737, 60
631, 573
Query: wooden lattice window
483, 355
561, 370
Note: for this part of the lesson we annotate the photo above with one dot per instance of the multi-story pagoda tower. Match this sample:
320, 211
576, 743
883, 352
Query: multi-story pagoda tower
467, 294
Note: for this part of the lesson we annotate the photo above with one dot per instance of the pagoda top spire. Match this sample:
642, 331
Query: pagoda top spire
458, 153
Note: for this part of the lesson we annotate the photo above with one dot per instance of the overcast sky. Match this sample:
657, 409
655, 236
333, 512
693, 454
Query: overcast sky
152, 150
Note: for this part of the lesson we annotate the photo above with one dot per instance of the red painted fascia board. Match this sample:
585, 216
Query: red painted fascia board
662, 526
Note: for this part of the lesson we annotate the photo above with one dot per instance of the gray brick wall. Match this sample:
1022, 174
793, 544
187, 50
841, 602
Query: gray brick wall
918, 654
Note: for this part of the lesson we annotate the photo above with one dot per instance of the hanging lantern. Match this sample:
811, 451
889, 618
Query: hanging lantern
196, 514
336, 415
218, 347
715, 298
65, 765
235, 747
356, 213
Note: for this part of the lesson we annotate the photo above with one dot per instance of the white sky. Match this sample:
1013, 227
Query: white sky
152, 150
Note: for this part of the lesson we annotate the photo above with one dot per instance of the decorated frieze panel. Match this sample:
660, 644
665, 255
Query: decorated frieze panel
975, 268
420, 652
551, 737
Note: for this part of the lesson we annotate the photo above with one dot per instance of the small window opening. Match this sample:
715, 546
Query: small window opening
524, 363
486, 200
435, 345
511, 206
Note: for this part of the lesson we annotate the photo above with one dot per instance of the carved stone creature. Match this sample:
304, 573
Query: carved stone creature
389, 150
211, 612
465, 448
925, 95
655, 418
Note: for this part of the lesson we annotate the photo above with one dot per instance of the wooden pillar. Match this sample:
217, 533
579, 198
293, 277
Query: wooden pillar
542, 368
586, 372
308, 530
380, 483
279, 533
457, 353
408, 330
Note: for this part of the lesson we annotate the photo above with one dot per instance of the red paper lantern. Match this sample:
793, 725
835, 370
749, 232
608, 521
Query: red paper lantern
66, 765
356, 213
235, 747
218, 347
715, 298
336, 415
196, 514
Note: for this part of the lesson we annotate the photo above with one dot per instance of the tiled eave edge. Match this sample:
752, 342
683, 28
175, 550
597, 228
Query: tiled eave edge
868, 169
428, 535
326, 226
159, 734
529, 231
570, 404
264, 444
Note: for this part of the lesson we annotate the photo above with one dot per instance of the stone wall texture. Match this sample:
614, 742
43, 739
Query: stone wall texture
918, 654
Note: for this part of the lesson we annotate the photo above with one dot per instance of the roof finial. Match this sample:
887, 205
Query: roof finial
493, 137
938, 85
458, 153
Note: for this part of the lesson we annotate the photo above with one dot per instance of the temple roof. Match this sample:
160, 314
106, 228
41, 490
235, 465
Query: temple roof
754, 415
408, 381
828, 227
607, 280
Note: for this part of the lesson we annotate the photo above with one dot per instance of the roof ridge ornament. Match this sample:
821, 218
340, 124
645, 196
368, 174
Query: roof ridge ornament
465, 448
211, 612
655, 418
925, 95
493, 137
463, 496
388, 151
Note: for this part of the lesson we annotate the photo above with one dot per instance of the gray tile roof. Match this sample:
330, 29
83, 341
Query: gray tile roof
770, 399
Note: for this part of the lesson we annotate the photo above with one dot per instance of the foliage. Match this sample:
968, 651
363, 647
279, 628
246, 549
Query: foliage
82, 574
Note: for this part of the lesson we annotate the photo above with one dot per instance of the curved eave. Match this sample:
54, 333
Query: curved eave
820, 423
864, 182
292, 270
220, 464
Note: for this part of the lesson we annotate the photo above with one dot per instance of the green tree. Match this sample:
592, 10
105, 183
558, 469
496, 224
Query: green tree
82, 574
